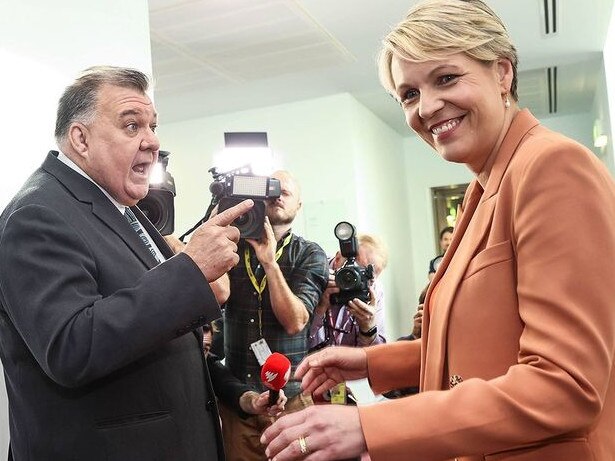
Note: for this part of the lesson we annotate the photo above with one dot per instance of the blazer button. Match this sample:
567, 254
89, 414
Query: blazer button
210, 405
454, 380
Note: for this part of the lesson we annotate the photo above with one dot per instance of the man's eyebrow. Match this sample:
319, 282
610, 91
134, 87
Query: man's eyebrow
128, 112
136, 113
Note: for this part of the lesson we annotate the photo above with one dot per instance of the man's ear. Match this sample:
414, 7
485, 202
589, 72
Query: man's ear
504, 69
78, 135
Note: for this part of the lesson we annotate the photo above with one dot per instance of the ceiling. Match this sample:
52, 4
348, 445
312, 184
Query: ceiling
218, 56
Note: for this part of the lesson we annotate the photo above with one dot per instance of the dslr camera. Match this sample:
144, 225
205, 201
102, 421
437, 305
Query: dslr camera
232, 187
352, 279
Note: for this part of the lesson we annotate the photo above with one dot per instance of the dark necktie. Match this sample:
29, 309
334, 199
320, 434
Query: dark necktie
134, 222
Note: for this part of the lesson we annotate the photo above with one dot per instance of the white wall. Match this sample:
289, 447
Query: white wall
608, 89
577, 126
43, 45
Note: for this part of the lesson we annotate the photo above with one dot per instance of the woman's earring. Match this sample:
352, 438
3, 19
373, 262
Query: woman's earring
507, 102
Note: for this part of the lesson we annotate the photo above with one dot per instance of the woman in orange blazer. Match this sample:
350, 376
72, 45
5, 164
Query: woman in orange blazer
516, 359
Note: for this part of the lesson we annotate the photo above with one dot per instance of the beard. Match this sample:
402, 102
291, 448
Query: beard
278, 216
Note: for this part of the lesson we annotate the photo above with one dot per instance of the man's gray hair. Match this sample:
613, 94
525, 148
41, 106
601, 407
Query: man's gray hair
78, 102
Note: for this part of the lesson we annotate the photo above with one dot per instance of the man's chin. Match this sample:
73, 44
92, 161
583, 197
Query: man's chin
280, 221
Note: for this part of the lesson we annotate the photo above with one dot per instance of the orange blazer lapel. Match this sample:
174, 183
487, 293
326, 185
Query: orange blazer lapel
471, 232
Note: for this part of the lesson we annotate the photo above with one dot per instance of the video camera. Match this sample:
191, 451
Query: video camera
232, 187
352, 279
158, 205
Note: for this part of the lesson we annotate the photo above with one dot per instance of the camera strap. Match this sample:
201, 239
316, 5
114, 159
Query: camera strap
260, 287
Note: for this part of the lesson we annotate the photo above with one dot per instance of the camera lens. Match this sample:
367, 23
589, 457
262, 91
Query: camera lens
347, 279
241, 220
159, 209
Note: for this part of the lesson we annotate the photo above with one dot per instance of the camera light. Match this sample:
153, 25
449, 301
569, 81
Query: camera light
156, 175
250, 185
344, 230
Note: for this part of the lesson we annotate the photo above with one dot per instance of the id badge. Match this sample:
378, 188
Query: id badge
261, 350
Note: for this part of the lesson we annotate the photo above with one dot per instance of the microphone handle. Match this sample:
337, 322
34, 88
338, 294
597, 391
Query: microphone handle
274, 395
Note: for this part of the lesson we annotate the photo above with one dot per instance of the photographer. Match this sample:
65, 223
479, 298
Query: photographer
274, 289
356, 323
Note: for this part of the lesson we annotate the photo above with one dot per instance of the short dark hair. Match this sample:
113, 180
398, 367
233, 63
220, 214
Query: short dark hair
448, 229
78, 102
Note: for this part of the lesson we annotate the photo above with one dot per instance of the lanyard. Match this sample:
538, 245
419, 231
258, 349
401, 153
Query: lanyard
260, 287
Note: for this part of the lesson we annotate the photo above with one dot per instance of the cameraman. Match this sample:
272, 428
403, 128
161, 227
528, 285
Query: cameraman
273, 292
357, 323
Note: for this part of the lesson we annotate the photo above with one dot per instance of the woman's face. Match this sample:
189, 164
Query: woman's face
456, 105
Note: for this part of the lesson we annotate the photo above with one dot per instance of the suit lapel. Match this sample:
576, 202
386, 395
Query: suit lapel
471, 231
106, 212
117, 223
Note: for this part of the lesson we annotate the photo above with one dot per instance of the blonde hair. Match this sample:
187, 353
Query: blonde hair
434, 29
379, 251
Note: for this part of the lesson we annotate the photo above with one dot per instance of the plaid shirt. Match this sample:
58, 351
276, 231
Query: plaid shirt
305, 269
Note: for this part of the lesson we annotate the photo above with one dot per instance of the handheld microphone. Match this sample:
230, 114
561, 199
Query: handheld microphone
275, 374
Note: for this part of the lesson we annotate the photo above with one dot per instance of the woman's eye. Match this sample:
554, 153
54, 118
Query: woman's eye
409, 96
447, 79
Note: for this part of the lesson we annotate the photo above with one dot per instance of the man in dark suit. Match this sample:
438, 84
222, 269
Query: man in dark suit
97, 317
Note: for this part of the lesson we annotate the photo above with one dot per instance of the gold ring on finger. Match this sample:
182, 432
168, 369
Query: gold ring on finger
303, 446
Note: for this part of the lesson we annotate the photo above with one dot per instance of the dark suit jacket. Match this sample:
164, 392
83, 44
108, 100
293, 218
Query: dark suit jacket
99, 351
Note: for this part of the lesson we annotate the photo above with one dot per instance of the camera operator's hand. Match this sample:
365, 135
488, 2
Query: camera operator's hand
417, 322
176, 244
213, 245
325, 299
265, 247
364, 314
254, 403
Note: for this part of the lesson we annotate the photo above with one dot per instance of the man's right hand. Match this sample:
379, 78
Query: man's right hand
213, 246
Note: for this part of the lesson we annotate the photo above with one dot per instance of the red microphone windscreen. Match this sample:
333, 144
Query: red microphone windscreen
276, 371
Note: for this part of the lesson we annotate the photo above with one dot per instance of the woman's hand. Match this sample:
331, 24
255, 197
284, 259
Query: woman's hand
323, 432
326, 368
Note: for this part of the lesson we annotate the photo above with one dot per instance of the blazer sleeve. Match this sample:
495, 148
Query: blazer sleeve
50, 290
562, 204
394, 365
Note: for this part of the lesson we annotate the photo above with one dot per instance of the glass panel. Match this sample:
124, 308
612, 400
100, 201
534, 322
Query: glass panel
446, 200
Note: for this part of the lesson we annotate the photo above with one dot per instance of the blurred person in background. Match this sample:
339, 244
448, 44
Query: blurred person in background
356, 323
446, 236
